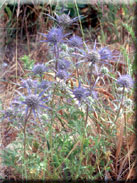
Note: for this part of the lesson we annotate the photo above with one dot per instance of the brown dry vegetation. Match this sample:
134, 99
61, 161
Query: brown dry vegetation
123, 156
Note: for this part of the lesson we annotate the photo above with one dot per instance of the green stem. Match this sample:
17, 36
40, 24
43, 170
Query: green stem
24, 131
90, 75
86, 120
81, 28
120, 105
76, 60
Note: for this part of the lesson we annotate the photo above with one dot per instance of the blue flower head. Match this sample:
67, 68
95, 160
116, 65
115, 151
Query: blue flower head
54, 36
34, 101
62, 74
94, 56
80, 93
105, 53
28, 83
75, 41
64, 20
125, 81
9, 113
63, 64
39, 69
44, 84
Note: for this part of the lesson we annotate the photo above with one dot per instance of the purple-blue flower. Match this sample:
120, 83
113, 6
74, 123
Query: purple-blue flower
54, 36
34, 101
9, 112
91, 57
75, 41
80, 93
105, 53
125, 81
64, 20
95, 56
62, 74
28, 83
44, 84
63, 64
39, 69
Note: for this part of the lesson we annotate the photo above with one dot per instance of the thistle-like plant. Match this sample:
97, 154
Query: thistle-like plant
90, 56
75, 41
64, 20
125, 81
80, 93
55, 36
95, 56
63, 64
33, 103
62, 74
39, 69
45, 84
28, 83
105, 53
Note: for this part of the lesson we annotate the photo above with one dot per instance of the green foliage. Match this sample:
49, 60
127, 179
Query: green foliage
71, 140
28, 63
130, 31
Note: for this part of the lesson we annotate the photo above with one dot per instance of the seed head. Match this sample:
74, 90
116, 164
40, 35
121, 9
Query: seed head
125, 81
64, 20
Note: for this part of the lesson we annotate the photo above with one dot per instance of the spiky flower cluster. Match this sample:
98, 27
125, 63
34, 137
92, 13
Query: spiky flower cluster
64, 20
125, 81
75, 41
39, 69
93, 57
32, 101
105, 53
62, 74
44, 84
28, 83
63, 64
54, 36
80, 93
9, 112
